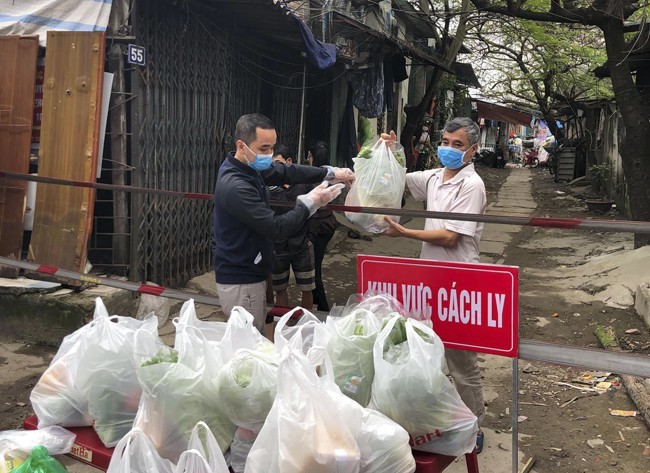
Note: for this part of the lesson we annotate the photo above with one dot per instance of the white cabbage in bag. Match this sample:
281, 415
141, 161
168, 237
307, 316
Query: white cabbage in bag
246, 387
411, 388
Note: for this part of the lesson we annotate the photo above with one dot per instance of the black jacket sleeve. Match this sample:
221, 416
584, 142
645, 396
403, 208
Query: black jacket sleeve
252, 212
279, 174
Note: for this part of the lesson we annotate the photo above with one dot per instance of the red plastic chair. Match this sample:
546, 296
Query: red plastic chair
434, 463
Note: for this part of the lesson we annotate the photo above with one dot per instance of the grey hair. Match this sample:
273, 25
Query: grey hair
471, 128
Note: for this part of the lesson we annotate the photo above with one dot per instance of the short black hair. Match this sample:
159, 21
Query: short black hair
285, 151
247, 125
319, 153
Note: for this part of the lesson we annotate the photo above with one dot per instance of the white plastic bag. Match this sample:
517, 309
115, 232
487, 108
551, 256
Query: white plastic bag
178, 394
241, 333
108, 379
379, 182
307, 333
16, 445
205, 453
92, 379
302, 432
135, 453
383, 444
411, 388
351, 351
246, 387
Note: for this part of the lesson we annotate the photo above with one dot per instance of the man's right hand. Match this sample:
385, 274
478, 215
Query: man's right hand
389, 138
320, 196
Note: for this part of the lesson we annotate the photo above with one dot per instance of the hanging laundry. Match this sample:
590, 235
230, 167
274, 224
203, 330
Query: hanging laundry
368, 87
320, 55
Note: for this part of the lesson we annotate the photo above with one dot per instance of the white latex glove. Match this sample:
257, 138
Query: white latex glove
343, 175
320, 196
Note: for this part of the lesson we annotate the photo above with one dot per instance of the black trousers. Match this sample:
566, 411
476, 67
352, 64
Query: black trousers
320, 246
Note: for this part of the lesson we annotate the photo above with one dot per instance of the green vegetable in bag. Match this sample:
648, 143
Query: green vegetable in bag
40, 462
166, 355
350, 350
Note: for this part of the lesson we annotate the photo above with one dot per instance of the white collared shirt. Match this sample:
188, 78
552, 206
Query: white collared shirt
464, 193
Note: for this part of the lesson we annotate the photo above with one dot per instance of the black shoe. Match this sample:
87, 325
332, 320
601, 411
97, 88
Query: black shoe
479, 441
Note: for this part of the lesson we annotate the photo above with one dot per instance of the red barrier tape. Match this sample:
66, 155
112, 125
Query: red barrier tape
614, 226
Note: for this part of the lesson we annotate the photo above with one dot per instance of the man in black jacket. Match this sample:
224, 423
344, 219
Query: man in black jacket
244, 223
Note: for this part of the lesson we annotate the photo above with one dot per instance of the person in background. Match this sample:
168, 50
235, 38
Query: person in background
244, 223
321, 227
454, 188
295, 252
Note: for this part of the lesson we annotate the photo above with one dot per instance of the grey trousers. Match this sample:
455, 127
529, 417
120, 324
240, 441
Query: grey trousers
464, 369
251, 297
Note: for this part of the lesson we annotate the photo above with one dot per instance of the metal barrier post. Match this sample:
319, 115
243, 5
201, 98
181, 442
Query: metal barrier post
515, 415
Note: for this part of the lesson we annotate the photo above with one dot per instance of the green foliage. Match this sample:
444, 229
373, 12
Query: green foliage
539, 63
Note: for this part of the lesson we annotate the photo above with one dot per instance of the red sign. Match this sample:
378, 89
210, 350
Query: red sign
472, 306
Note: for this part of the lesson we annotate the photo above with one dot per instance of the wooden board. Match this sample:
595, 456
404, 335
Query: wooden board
18, 56
74, 67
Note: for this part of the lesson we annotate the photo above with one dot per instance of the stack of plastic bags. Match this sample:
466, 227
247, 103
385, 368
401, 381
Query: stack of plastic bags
350, 395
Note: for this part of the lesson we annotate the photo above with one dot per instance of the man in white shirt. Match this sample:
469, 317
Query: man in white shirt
454, 188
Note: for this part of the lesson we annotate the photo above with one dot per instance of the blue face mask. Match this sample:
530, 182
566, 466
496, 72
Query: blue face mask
451, 158
262, 161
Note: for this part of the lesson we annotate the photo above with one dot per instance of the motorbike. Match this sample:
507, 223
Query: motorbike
493, 159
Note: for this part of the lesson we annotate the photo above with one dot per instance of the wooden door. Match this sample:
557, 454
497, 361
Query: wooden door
18, 56
74, 67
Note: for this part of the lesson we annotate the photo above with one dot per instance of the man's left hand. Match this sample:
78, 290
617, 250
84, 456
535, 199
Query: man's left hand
395, 229
344, 175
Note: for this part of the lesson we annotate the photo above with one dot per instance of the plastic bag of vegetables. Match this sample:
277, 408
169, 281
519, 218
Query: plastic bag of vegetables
380, 179
177, 392
16, 445
306, 334
303, 432
411, 388
350, 349
246, 387
92, 379
39, 461
384, 445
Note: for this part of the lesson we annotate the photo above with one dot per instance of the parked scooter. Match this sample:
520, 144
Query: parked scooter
493, 159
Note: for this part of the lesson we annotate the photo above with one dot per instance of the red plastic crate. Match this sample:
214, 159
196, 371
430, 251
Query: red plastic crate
434, 463
87, 447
